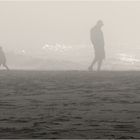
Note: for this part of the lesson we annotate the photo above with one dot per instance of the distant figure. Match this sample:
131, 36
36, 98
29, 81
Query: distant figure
3, 58
97, 39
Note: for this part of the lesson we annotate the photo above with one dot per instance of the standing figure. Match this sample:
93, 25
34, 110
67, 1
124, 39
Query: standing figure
97, 39
3, 59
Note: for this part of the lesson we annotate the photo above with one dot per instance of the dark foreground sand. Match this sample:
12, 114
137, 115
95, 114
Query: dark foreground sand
69, 104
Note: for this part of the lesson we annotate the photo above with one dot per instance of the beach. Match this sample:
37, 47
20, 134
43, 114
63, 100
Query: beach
69, 104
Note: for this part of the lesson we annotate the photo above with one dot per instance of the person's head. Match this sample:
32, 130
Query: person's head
99, 23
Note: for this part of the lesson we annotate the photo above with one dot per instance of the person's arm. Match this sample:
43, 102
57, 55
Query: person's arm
103, 42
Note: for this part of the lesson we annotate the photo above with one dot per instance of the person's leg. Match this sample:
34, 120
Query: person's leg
99, 65
5, 66
92, 64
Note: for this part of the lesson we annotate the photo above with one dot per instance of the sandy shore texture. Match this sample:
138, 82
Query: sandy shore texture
69, 104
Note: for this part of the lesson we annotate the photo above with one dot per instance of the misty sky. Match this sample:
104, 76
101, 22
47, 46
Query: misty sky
30, 25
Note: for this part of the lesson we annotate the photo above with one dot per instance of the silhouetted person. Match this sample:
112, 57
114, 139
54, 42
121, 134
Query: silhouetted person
97, 39
3, 59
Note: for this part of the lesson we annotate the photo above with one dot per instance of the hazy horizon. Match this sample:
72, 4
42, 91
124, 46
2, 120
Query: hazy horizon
59, 30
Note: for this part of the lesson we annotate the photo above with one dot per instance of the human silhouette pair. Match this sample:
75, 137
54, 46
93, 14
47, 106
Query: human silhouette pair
97, 39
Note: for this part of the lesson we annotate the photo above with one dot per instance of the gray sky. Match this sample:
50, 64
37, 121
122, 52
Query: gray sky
31, 25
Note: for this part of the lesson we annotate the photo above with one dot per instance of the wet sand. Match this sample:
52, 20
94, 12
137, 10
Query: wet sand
71, 104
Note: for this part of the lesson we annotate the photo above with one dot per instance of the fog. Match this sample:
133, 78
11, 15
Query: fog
55, 35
